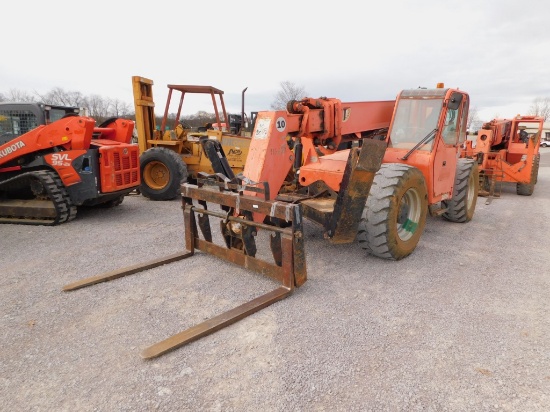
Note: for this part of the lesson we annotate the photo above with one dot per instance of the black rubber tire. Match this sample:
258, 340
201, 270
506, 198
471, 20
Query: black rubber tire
162, 173
108, 121
461, 207
395, 212
527, 189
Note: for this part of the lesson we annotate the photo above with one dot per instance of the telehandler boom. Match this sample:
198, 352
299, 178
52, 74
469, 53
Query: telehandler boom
365, 170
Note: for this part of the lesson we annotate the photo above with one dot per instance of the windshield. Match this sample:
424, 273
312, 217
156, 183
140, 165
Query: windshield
414, 120
56, 114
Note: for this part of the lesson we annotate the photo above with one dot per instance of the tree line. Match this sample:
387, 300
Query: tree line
97, 107
101, 108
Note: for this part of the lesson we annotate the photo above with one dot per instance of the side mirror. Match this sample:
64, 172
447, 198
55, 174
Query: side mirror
455, 100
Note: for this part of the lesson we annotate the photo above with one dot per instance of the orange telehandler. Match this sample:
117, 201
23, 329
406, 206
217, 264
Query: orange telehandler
507, 150
365, 170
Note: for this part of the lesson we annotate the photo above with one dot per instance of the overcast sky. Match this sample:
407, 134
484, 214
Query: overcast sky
497, 51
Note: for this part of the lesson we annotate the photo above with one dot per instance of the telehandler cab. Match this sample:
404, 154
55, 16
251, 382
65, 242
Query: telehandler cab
365, 170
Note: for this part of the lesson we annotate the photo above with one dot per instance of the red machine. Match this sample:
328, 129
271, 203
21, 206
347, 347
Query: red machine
367, 170
507, 150
48, 171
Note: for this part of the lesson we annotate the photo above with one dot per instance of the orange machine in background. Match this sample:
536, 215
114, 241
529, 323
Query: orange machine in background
48, 170
507, 151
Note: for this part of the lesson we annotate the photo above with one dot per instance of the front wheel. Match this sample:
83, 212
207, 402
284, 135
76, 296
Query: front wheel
162, 173
461, 207
527, 189
395, 212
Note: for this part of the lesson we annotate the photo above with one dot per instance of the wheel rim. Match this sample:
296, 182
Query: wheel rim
156, 175
410, 211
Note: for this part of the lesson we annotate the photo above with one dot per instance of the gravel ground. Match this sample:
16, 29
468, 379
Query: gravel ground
460, 325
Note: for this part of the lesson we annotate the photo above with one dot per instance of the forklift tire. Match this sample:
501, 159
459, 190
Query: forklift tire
162, 173
527, 189
395, 212
461, 207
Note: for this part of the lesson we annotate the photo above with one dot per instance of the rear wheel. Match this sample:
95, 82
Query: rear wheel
462, 206
162, 173
395, 212
527, 189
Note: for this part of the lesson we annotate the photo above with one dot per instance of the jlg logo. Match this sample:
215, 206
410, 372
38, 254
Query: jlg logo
61, 159
235, 152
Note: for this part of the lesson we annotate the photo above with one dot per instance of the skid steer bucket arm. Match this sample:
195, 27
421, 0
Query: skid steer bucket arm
286, 241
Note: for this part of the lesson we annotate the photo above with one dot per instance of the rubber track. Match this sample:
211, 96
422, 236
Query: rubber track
55, 190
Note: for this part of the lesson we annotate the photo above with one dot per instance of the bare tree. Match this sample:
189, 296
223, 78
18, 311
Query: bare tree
60, 97
15, 95
472, 119
540, 107
289, 91
98, 107
198, 119
118, 108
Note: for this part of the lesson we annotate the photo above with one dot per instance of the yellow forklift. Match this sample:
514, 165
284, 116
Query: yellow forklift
172, 154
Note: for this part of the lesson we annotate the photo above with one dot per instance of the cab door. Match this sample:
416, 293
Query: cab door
452, 133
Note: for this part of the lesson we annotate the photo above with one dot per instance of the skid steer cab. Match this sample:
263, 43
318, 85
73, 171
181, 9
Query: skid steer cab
366, 171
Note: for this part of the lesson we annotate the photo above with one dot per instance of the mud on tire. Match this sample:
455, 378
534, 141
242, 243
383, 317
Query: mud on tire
395, 212
461, 207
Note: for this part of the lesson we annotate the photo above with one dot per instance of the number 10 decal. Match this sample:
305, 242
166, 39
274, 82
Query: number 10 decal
281, 124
